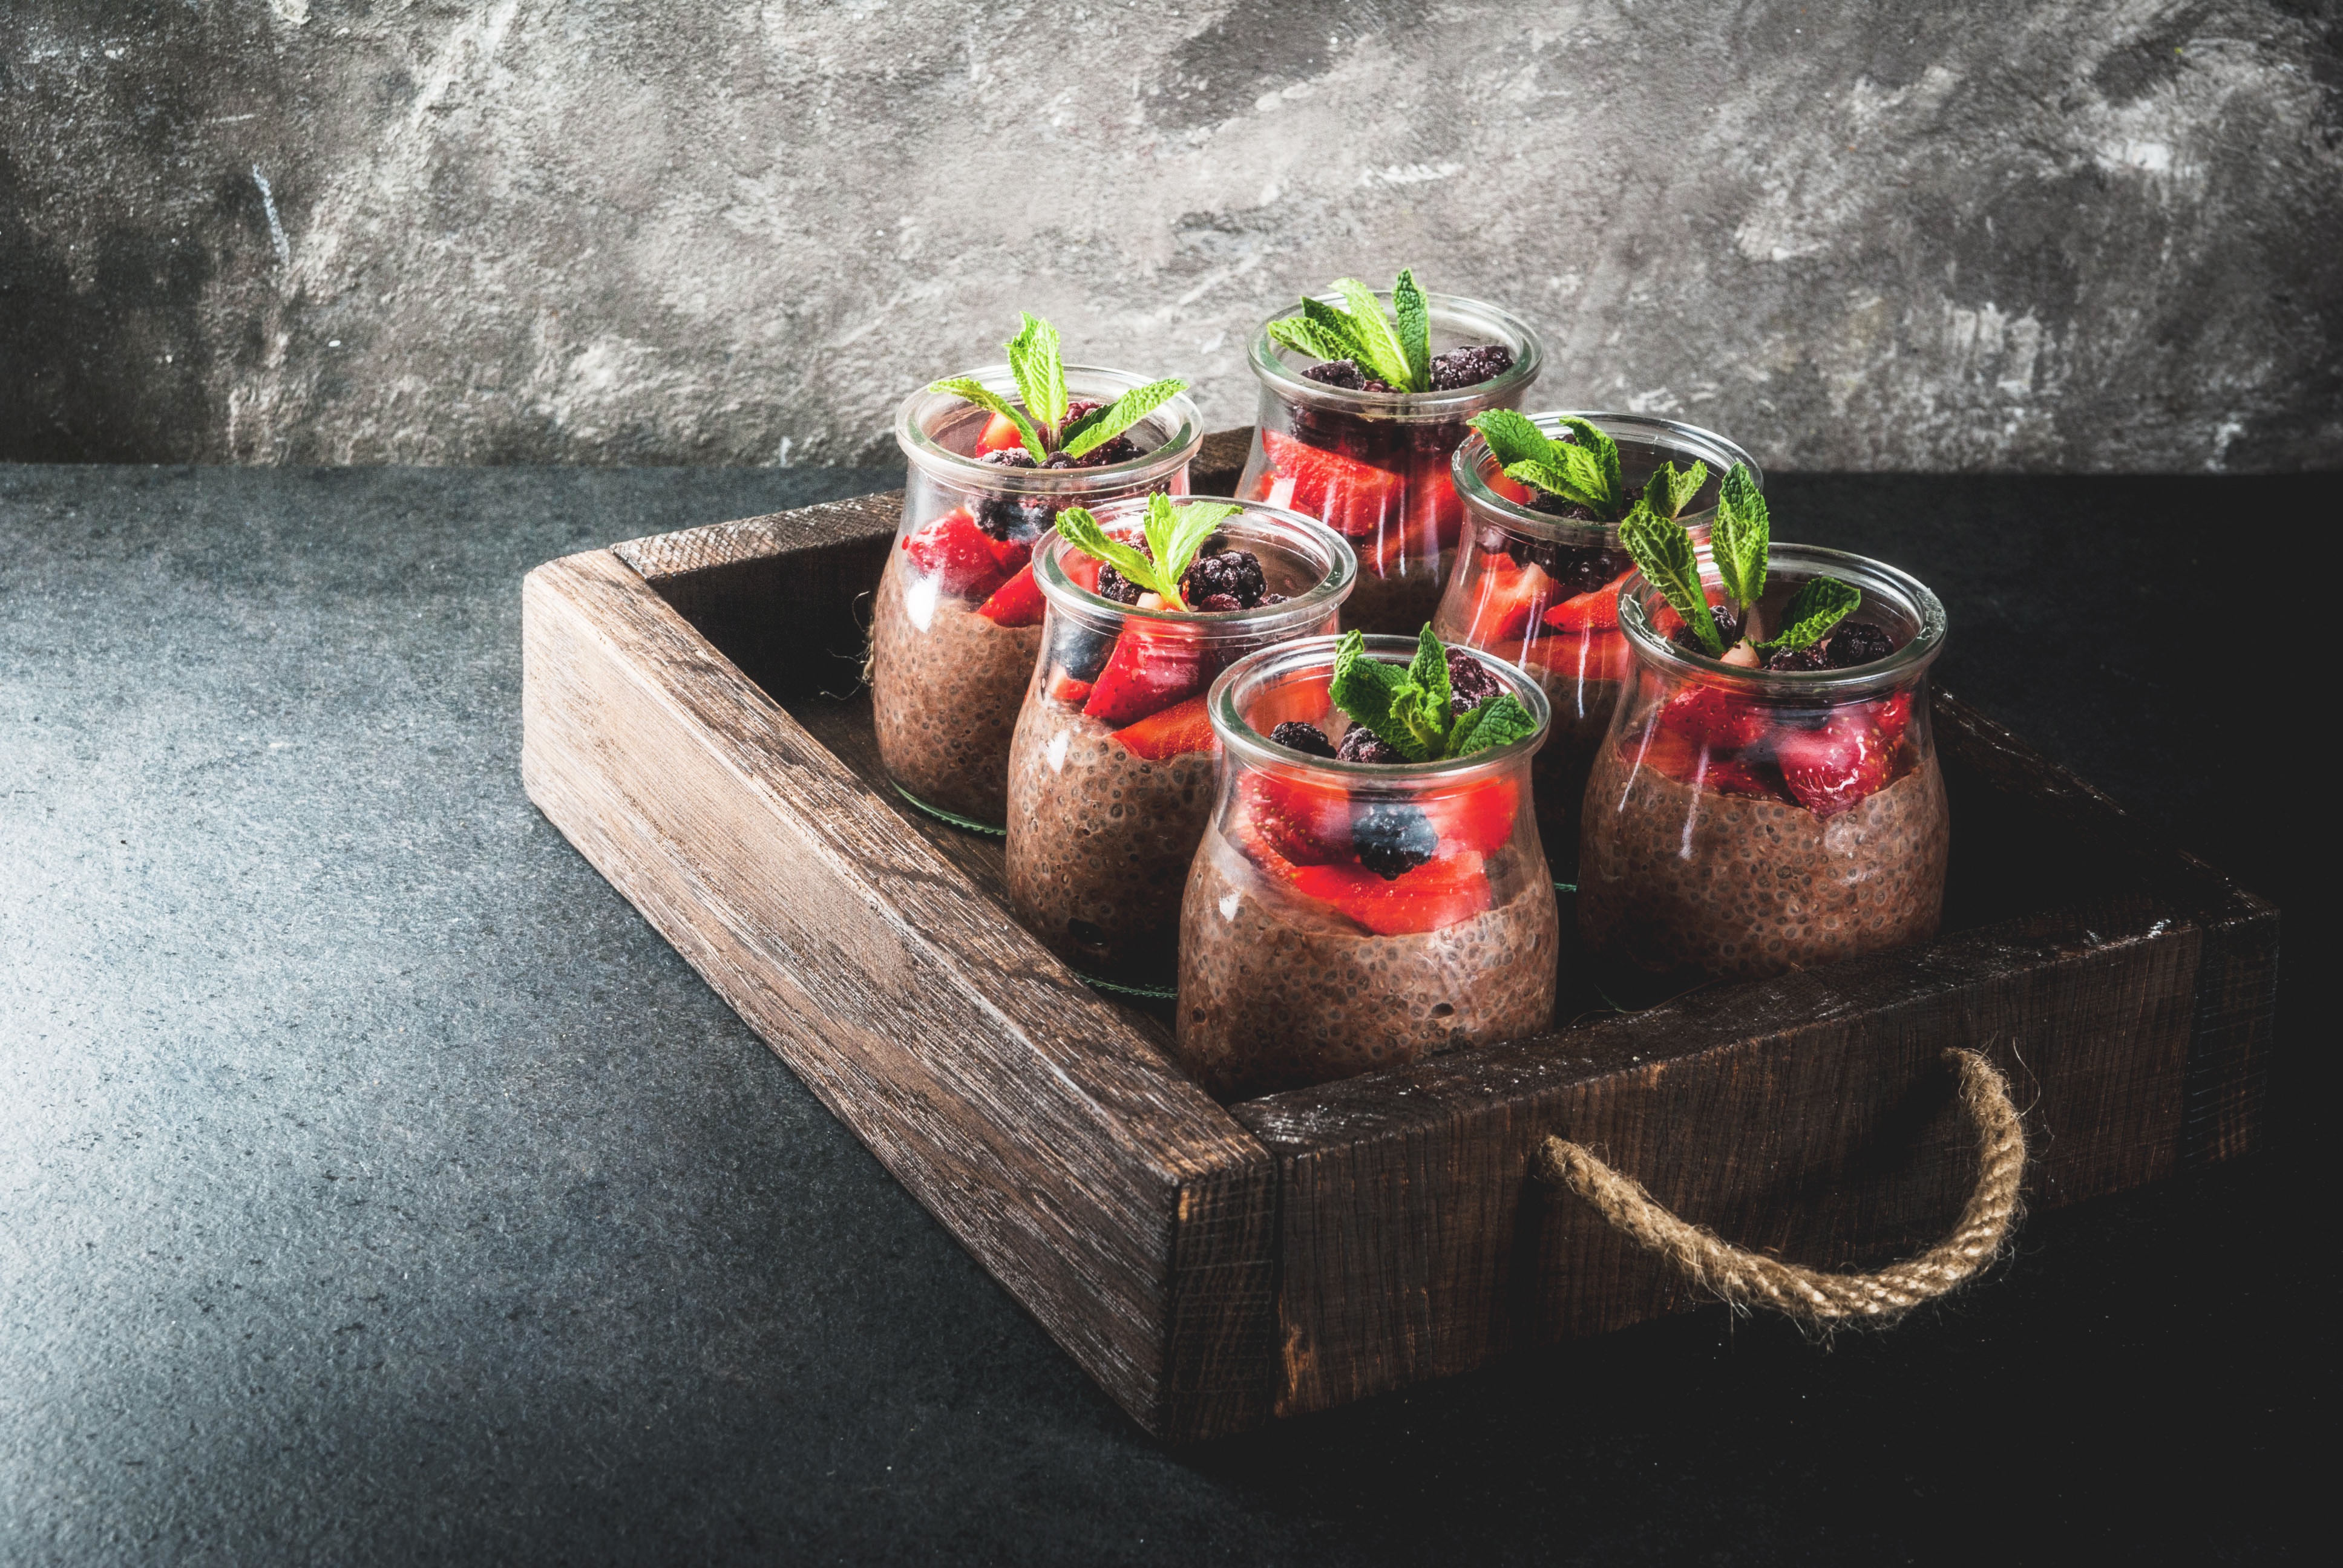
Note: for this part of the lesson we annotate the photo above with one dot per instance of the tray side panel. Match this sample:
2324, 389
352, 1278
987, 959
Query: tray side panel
1112, 1198
1811, 1117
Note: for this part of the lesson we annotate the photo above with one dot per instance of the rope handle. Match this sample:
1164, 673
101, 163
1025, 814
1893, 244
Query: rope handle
1744, 1278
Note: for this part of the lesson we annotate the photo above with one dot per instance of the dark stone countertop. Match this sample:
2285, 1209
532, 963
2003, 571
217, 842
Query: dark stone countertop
376, 1187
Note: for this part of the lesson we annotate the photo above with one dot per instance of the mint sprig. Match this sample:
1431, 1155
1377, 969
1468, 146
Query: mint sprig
1412, 708
1392, 346
1820, 604
1038, 368
1740, 538
1173, 533
1584, 469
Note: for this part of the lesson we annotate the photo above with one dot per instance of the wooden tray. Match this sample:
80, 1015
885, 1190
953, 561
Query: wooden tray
694, 724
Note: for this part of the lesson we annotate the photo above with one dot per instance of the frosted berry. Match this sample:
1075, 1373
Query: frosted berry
1360, 744
1308, 738
1470, 365
1470, 682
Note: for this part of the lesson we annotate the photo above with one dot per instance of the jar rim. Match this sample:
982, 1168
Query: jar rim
917, 413
1451, 310
1337, 561
1240, 739
1909, 594
1719, 452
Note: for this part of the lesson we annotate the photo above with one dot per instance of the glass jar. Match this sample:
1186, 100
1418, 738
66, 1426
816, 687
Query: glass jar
1342, 917
958, 621
1543, 591
1111, 771
1742, 823
1374, 464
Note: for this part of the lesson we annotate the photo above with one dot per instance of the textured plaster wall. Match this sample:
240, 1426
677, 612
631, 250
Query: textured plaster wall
2088, 234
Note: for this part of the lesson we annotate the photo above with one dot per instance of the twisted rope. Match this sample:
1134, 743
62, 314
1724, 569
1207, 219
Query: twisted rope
1746, 1279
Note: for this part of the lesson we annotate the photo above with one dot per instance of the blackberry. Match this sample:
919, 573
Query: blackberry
1810, 656
1470, 682
1470, 365
1345, 374
1853, 642
1216, 602
1009, 517
1008, 457
1113, 585
1233, 575
1728, 627
1394, 839
1563, 506
1307, 739
1578, 568
1081, 652
1360, 744
1121, 449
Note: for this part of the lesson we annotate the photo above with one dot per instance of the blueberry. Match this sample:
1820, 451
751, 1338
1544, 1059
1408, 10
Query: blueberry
1394, 839
1081, 652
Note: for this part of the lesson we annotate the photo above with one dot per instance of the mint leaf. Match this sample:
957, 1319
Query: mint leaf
1041, 374
1740, 538
1668, 491
1193, 523
1499, 721
1553, 480
1605, 452
983, 396
1304, 336
1511, 437
1662, 550
1371, 329
1415, 317
1336, 326
1364, 688
1429, 669
1818, 606
1079, 528
1097, 427
1159, 524
1420, 724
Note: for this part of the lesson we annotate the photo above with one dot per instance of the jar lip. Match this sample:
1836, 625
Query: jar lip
1338, 561
1719, 452
1240, 739
1798, 562
917, 412
1446, 309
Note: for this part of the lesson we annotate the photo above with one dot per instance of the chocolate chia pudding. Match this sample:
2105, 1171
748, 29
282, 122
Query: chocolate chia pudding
1276, 992
946, 685
1677, 878
1099, 845
1581, 719
1400, 605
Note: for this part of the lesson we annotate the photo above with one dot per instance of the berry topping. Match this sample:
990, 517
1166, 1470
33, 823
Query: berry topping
1345, 374
1018, 518
1576, 473
1159, 562
1470, 682
1119, 450
1080, 652
1232, 575
1308, 738
1851, 643
1727, 620
1392, 840
1470, 365
1360, 744
1388, 351
1113, 585
1008, 458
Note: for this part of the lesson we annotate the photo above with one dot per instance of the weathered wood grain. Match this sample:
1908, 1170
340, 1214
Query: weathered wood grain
1122, 1206
694, 723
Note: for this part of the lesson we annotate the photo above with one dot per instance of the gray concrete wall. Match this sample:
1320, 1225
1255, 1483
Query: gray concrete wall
2073, 234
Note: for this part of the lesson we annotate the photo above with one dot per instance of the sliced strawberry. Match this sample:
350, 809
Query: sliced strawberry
1300, 822
1892, 717
1688, 760
1831, 769
1301, 699
1082, 570
1017, 602
1152, 667
1408, 536
1714, 717
1431, 495
998, 436
962, 558
1065, 688
1596, 611
1479, 820
1595, 656
1504, 597
1436, 894
1352, 498
1183, 728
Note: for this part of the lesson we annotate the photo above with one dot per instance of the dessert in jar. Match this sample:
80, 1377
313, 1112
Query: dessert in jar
994, 456
1539, 566
1364, 398
1370, 889
1111, 771
1768, 797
